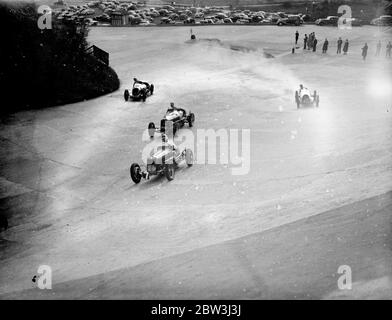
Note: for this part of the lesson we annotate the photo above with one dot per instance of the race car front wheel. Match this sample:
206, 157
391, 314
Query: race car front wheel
126, 95
151, 129
169, 172
297, 99
191, 119
135, 172
189, 157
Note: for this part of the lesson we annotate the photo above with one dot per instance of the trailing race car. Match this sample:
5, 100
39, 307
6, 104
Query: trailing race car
140, 90
164, 161
174, 119
303, 97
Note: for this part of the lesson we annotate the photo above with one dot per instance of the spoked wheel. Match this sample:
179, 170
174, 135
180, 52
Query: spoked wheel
189, 157
169, 172
126, 95
151, 129
135, 172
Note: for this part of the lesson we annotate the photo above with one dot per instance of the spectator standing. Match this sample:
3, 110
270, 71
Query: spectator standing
378, 49
310, 40
389, 48
364, 51
305, 41
345, 47
296, 36
340, 42
314, 45
325, 45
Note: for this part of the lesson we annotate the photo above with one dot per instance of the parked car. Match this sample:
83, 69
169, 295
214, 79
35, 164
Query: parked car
328, 21
292, 20
385, 20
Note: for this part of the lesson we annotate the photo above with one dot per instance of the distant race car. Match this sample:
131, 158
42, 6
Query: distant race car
164, 161
174, 117
140, 91
303, 97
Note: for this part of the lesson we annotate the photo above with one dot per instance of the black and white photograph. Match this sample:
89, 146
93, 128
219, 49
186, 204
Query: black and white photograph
215, 150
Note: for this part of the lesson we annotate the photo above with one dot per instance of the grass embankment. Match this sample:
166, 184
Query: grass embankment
42, 68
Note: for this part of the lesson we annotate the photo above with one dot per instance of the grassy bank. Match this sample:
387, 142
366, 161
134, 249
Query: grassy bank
41, 68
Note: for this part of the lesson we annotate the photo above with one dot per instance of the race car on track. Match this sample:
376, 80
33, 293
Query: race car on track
140, 90
303, 97
164, 160
174, 119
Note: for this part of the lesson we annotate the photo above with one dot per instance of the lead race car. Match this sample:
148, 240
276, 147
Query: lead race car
303, 97
164, 160
140, 90
174, 119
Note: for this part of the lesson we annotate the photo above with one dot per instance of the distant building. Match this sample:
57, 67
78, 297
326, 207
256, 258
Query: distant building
118, 19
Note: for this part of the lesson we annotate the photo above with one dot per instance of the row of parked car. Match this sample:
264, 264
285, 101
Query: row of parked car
95, 12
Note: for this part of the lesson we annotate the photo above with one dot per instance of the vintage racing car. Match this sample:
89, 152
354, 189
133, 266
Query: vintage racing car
174, 119
140, 91
303, 97
164, 161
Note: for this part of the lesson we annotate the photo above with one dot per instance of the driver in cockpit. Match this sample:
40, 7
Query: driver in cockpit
141, 82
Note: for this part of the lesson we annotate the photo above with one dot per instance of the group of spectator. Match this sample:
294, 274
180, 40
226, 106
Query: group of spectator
310, 43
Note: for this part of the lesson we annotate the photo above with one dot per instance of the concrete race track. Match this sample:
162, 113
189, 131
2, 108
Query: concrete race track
317, 195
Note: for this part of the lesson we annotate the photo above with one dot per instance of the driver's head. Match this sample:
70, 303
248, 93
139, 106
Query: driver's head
171, 104
134, 79
301, 86
164, 138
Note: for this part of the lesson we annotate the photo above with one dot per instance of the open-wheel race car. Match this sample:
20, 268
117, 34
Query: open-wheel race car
140, 91
174, 119
303, 97
164, 161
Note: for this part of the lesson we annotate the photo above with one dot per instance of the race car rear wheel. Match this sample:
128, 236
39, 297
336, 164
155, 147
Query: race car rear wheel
169, 172
189, 157
135, 172
152, 89
126, 95
191, 119
151, 129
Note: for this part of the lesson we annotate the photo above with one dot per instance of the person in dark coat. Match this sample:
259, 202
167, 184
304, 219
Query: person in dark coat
345, 47
378, 49
305, 41
340, 42
310, 40
389, 48
325, 46
364, 51
296, 36
315, 45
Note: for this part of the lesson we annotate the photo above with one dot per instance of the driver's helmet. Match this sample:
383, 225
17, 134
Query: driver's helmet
301, 86
172, 105
134, 79
165, 138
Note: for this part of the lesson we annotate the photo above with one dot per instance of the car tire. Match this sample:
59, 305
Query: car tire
135, 173
191, 119
126, 95
169, 172
152, 89
189, 157
151, 129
